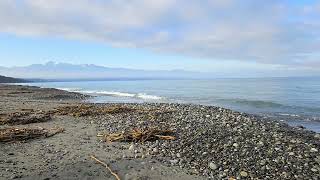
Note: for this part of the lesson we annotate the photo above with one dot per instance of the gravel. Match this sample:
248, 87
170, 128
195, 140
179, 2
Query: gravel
219, 143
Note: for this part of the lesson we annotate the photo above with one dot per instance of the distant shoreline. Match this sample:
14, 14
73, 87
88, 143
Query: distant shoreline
4, 79
37, 80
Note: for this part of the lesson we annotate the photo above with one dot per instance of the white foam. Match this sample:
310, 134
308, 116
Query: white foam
292, 115
70, 89
115, 93
146, 96
86, 92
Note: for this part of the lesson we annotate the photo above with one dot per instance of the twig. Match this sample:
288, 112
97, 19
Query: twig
113, 173
54, 131
166, 137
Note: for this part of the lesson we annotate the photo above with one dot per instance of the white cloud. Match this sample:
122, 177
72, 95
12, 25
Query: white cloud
270, 31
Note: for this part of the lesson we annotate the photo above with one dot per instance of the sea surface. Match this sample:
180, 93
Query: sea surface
292, 100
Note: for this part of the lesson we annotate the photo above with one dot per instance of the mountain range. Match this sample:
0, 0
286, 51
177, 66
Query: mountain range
66, 71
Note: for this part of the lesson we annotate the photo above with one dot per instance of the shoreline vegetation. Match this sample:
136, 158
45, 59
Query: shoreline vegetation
48, 133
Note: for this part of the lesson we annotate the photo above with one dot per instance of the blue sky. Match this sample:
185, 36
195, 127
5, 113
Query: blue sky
232, 37
22, 51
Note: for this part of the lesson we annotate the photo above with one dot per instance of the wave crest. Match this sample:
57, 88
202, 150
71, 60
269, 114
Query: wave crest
116, 93
146, 96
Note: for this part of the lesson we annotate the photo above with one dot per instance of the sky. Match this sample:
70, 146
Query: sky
231, 37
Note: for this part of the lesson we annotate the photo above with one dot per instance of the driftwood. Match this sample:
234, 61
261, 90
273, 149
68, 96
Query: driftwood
89, 110
84, 110
22, 134
139, 135
24, 117
107, 167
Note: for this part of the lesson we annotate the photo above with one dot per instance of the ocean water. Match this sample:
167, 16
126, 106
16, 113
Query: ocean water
293, 100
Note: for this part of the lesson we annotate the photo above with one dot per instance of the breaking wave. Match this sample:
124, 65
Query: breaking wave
115, 93
69, 89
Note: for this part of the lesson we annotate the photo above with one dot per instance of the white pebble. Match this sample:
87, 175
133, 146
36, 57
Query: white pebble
243, 174
235, 145
314, 150
213, 166
131, 147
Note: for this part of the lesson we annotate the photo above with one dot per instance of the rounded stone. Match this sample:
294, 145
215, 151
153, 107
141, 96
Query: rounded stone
243, 174
262, 162
314, 170
204, 153
213, 166
131, 147
174, 161
235, 144
314, 150
155, 150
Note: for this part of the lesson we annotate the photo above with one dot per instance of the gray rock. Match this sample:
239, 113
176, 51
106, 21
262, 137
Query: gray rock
263, 162
243, 174
213, 166
314, 150
131, 147
314, 170
155, 150
174, 161
235, 144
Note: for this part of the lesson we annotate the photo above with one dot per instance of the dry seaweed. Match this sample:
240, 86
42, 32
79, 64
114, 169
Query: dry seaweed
84, 110
24, 117
20, 92
22, 134
90, 110
139, 135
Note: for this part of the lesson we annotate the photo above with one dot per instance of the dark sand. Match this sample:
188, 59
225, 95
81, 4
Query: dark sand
67, 155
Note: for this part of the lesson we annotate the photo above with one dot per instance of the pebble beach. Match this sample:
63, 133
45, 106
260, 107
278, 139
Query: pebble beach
210, 142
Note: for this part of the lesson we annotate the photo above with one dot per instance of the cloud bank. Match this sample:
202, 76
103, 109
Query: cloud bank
274, 32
